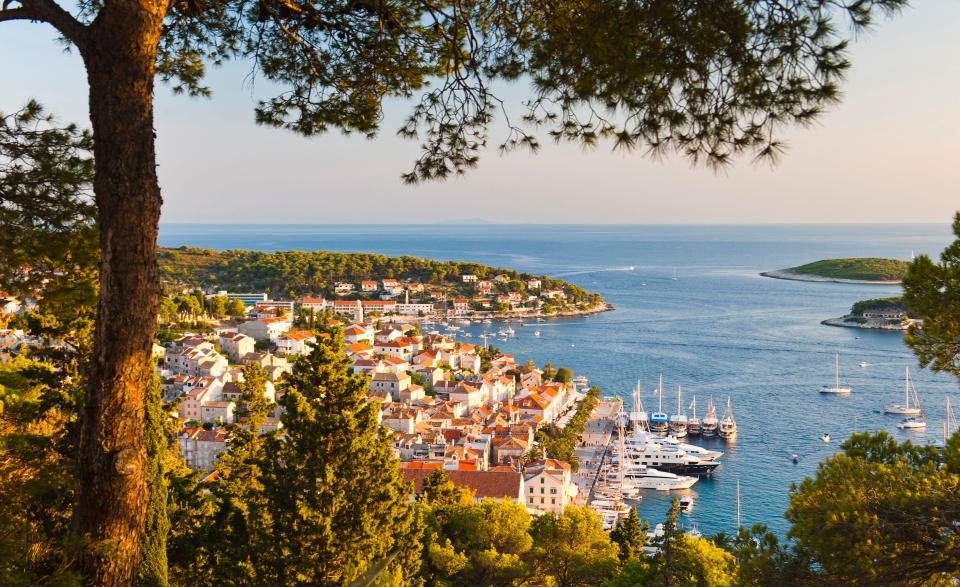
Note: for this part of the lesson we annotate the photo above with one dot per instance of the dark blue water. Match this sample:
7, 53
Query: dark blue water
720, 329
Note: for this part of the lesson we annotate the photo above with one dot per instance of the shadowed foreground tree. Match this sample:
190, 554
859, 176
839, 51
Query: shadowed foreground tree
932, 294
707, 79
880, 513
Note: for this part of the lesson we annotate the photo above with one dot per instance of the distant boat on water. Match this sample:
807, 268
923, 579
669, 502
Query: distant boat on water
837, 389
905, 409
694, 425
728, 426
710, 422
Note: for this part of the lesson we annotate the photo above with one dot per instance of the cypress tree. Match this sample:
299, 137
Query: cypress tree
153, 553
630, 535
337, 501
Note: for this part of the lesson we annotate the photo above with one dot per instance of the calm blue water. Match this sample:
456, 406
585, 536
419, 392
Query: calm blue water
720, 329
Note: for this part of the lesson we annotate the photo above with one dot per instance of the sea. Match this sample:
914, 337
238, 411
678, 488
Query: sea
719, 330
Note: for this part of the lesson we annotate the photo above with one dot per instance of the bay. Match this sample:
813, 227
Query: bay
719, 329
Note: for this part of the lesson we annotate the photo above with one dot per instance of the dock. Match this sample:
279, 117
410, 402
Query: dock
594, 445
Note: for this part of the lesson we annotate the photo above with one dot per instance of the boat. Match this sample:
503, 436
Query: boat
837, 389
536, 333
659, 421
674, 278
697, 451
678, 421
511, 331
912, 423
905, 409
666, 458
686, 504
694, 425
649, 478
638, 415
610, 511
467, 335
864, 364
825, 437
728, 426
710, 422
795, 458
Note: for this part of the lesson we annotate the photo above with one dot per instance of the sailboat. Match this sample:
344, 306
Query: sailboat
906, 409
678, 421
694, 424
836, 389
659, 421
728, 426
710, 422
674, 274
638, 415
949, 423
917, 422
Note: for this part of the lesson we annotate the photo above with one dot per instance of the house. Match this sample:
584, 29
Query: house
266, 328
417, 309
358, 333
218, 412
468, 395
200, 447
295, 342
236, 344
505, 448
360, 350
317, 305
549, 486
390, 284
461, 305
368, 286
484, 286
342, 288
401, 419
507, 485
553, 294
196, 357
400, 349
412, 393
533, 284
469, 278
393, 383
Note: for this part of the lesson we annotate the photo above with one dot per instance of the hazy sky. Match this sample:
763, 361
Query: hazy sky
888, 153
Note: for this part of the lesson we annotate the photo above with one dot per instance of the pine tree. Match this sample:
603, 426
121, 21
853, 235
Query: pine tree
240, 524
630, 535
153, 555
336, 497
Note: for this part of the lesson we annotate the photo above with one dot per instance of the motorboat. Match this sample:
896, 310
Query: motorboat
728, 426
864, 364
648, 478
669, 459
795, 458
710, 422
610, 511
836, 389
912, 423
686, 504
825, 437
698, 451
536, 333
909, 392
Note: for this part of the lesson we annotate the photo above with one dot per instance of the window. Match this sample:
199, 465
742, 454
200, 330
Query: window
553, 491
553, 500
541, 500
541, 479
531, 490
531, 500
541, 490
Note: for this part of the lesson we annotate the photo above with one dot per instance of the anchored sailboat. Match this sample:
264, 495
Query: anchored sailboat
678, 421
836, 389
694, 425
659, 421
914, 422
710, 422
906, 409
728, 426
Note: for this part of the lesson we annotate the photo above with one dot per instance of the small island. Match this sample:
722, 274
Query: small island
876, 314
863, 270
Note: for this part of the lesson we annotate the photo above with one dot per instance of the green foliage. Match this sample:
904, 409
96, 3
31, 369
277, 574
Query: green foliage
866, 269
153, 551
572, 548
880, 509
932, 294
630, 536
563, 375
894, 303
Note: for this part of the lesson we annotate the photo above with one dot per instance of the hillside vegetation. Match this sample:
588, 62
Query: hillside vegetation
866, 269
295, 273
895, 303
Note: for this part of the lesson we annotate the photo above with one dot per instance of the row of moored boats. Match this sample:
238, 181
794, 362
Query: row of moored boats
678, 424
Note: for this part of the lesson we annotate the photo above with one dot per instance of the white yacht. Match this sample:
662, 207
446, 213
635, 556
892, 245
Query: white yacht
728, 426
647, 478
710, 422
697, 451
678, 421
837, 389
610, 511
667, 458
905, 409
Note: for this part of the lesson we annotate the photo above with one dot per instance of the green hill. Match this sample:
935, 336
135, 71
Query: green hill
863, 269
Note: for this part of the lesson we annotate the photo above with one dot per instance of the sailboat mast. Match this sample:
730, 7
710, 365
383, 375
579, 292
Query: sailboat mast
837, 370
660, 394
906, 387
738, 505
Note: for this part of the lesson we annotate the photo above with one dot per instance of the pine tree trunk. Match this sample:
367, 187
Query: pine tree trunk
120, 58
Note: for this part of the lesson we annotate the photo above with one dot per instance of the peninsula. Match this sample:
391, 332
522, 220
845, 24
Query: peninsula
342, 282
865, 270
876, 314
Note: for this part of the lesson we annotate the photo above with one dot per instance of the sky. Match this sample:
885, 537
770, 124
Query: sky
887, 154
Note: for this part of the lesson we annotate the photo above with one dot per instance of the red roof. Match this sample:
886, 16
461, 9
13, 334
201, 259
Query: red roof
493, 484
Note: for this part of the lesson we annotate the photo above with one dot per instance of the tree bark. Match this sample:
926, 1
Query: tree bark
120, 57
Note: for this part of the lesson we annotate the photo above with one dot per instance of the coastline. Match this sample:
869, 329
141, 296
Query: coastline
842, 322
790, 275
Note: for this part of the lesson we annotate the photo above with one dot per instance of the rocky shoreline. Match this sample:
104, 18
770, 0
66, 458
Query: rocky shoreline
846, 322
790, 275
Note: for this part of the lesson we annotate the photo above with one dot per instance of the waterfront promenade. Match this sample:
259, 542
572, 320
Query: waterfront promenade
594, 444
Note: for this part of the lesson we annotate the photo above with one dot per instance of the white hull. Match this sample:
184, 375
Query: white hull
835, 390
901, 410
